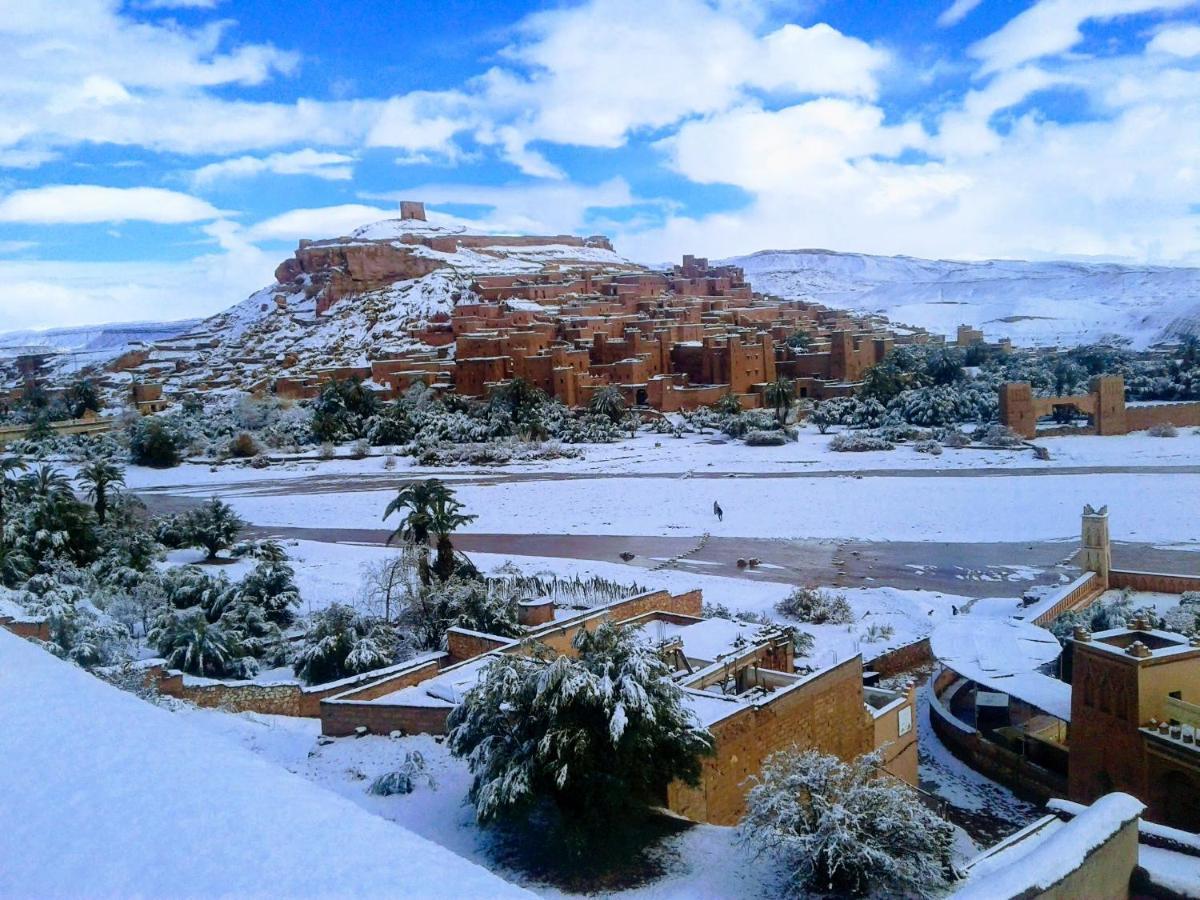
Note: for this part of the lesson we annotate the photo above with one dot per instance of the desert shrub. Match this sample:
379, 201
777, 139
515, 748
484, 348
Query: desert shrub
1163, 430
153, 443
876, 632
955, 440
243, 446
816, 606
404, 779
1000, 436
765, 438
857, 442
845, 828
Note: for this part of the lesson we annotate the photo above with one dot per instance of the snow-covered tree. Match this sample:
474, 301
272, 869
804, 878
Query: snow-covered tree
340, 642
272, 587
213, 526
189, 641
593, 738
845, 827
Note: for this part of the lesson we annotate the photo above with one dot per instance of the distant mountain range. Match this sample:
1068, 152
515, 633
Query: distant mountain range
90, 339
1034, 303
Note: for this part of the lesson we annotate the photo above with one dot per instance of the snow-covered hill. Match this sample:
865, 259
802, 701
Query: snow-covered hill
284, 329
87, 339
1034, 303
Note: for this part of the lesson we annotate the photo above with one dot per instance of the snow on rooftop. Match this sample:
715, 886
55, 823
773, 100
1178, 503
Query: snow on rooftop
1003, 654
707, 640
992, 647
1050, 854
106, 795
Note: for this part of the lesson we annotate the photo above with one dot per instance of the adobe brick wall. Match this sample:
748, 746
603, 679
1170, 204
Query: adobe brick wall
463, 644
1076, 598
37, 631
810, 715
1139, 418
902, 659
1159, 582
342, 717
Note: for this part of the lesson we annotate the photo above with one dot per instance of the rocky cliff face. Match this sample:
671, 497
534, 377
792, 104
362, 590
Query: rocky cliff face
332, 270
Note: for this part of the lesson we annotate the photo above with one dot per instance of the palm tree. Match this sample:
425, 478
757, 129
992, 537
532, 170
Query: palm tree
47, 483
446, 518
607, 401
432, 511
779, 395
101, 478
8, 465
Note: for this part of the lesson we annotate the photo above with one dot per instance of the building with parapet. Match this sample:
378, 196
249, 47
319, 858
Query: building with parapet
741, 680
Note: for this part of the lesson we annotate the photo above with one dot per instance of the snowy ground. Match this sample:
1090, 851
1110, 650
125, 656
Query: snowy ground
798, 491
704, 861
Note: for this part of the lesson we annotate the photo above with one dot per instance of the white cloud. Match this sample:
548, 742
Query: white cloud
1054, 26
956, 12
423, 122
328, 166
671, 59
46, 293
1182, 41
546, 207
318, 223
89, 204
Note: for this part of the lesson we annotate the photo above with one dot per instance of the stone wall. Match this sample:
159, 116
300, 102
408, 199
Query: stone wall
342, 717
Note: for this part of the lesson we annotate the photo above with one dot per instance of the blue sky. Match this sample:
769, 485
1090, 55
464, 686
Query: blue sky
159, 157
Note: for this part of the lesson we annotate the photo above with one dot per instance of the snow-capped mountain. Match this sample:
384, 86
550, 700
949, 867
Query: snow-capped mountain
86, 339
1034, 303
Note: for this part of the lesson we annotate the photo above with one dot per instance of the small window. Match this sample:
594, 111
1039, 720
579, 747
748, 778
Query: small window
1178, 695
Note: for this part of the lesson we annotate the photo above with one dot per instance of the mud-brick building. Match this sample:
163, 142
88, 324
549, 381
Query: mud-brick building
1135, 713
742, 681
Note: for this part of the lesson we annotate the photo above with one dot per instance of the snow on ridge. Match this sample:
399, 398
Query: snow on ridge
89, 338
1035, 303
106, 795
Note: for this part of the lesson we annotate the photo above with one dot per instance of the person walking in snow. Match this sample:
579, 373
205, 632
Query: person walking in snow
718, 512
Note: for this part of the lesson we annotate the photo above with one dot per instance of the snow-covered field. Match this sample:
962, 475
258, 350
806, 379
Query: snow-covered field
648, 486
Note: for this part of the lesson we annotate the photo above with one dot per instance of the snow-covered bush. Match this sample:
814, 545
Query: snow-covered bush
189, 641
816, 606
243, 446
876, 632
153, 442
845, 828
595, 738
404, 779
765, 438
340, 642
1000, 436
1163, 430
933, 448
955, 439
857, 442
828, 413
